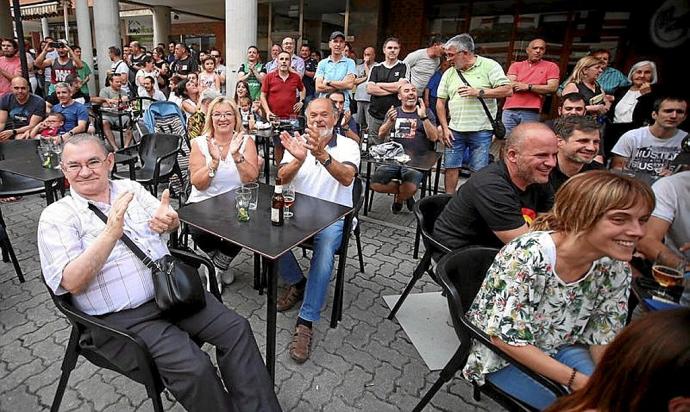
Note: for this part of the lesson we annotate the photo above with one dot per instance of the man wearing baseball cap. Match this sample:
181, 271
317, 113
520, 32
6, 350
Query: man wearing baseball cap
336, 72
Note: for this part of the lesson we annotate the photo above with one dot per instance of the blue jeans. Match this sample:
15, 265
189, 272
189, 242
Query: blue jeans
516, 383
326, 243
513, 117
478, 144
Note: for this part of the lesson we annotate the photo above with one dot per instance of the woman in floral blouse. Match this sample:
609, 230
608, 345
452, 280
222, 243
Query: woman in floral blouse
554, 298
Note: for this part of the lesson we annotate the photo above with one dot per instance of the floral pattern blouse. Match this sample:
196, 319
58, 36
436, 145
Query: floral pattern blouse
524, 302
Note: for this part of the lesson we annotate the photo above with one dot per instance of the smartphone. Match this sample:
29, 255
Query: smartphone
56, 44
419, 102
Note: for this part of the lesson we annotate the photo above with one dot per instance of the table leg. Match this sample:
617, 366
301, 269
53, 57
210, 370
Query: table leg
50, 195
267, 159
271, 315
122, 132
132, 167
366, 189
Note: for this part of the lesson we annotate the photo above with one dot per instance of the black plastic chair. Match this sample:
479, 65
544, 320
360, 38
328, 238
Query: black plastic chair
426, 210
15, 185
158, 157
80, 342
7, 250
461, 274
357, 201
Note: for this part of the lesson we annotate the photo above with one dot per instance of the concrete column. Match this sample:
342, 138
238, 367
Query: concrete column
161, 24
6, 27
65, 17
45, 30
84, 33
106, 17
240, 32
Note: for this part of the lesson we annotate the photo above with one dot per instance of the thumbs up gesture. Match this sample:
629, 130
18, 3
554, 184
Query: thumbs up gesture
165, 218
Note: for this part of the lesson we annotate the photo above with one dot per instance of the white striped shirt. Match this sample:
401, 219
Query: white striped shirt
68, 227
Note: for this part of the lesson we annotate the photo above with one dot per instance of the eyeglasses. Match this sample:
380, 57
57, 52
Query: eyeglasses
221, 115
74, 168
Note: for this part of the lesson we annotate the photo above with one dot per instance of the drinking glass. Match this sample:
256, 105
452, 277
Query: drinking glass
242, 197
56, 155
289, 198
254, 194
668, 270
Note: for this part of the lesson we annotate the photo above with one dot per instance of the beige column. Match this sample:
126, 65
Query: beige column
106, 21
45, 30
240, 33
84, 34
161, 24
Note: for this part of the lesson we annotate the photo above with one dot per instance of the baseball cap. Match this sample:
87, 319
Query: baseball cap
337, 34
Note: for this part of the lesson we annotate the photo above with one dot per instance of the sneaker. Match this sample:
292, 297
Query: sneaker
227, 276
410, 203
300, 348
289, 298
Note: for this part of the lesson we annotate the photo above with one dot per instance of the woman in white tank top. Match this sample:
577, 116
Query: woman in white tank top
221, 160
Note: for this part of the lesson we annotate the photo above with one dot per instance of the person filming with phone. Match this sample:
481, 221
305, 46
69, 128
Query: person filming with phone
67, 63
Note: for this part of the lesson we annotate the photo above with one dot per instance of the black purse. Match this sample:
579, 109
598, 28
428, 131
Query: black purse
496, 124
177, 286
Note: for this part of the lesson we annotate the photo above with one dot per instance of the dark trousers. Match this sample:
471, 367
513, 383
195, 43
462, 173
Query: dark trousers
211, 243
186, 370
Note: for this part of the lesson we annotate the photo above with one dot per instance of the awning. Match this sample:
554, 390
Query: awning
39, 10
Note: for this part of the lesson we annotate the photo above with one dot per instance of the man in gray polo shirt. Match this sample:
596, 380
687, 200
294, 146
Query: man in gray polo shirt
423, 63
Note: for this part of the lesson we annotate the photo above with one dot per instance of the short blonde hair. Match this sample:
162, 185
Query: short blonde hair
208, 124
586, 197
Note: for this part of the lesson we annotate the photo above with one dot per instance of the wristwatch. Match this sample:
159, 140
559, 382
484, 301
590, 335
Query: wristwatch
328, 161
529, 87
14, 132
425, 118
211, 170
328, 83
241, 159
481, 93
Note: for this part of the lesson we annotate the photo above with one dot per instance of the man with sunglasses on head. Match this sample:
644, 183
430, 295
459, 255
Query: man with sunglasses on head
105, 279
469, 126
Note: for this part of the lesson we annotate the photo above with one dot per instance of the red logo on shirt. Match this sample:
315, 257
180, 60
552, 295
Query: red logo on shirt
529, 215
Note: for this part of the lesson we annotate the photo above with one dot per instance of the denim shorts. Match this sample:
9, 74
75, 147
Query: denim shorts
385, 173
478, 144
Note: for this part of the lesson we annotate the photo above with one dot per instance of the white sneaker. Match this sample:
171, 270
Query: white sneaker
227, 276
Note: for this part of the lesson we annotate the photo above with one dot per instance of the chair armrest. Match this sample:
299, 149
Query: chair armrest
91, 322
186, 255
128, 150
157, 168
484, 339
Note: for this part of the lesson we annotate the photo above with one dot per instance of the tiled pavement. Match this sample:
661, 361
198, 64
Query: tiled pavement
366, 364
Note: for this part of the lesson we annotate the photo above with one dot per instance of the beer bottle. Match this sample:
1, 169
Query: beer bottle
277, 204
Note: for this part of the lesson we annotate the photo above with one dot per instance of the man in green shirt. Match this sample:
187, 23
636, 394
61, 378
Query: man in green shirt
469, 127
84, 73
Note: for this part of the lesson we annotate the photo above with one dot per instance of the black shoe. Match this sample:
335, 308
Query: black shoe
410, 203
396, 207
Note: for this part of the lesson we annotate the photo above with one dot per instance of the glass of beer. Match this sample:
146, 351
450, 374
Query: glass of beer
668, 270
289, 196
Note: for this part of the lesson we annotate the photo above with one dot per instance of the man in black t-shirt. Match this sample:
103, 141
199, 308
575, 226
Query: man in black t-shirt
414, 127
498, 203
184, 63
383, 83
578, 144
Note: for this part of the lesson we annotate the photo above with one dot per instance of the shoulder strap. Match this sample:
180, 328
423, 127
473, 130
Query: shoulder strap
481, 100
127, 241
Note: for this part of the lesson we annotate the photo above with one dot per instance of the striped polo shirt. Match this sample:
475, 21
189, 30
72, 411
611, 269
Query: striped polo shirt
466, 113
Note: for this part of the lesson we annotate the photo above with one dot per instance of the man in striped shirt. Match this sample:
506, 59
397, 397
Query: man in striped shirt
469, 127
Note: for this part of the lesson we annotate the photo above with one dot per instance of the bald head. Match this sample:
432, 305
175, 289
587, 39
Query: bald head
527, 131
20, 88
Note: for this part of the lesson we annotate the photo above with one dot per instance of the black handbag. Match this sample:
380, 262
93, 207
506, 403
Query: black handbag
496, 124
177, 286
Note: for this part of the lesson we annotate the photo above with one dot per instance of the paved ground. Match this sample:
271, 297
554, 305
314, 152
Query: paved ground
366, 364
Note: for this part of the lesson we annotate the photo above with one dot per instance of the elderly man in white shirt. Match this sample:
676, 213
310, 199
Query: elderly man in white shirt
83, 256
321, 164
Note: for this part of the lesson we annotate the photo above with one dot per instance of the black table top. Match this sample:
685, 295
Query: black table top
30, 168
218, 216
422, 161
